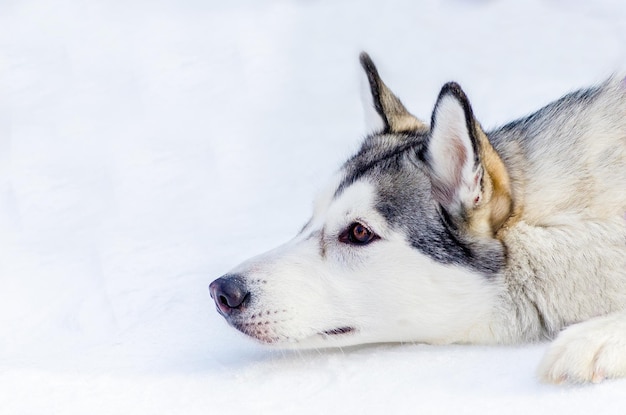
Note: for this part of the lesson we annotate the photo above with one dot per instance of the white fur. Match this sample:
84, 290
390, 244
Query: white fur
587, 352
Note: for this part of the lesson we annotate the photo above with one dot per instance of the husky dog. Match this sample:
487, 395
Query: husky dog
445, 233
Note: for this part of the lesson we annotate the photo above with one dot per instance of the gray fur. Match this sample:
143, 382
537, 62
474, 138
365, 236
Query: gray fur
586, 274
395, 164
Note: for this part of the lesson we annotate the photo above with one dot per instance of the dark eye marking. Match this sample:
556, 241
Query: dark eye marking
357, 234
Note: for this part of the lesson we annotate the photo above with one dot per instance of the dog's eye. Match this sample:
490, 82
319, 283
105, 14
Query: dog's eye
357, 234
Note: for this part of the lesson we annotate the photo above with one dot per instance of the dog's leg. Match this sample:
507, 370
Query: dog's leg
590, 351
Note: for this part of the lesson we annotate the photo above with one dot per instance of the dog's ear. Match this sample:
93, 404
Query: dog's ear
388, 115
469, 179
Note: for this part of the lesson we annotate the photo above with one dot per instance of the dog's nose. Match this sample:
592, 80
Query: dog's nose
229, 293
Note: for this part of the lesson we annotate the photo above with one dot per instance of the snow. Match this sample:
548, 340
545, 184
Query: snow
148, 146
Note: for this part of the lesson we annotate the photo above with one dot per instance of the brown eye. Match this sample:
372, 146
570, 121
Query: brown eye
357, 234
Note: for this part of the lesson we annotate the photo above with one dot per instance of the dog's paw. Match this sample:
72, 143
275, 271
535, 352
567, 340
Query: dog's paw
587, 352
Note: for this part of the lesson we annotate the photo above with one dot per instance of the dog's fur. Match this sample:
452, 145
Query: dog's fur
505, 236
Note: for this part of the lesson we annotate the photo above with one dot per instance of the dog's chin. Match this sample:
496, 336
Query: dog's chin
331, 338
271, 336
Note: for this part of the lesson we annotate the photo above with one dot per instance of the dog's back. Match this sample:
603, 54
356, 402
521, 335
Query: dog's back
567, 161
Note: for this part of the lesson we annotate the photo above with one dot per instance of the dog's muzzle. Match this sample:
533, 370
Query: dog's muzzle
230, 295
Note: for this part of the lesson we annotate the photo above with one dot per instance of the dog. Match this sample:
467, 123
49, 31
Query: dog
445, 233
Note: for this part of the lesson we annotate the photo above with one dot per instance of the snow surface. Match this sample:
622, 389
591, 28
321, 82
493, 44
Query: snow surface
148, 146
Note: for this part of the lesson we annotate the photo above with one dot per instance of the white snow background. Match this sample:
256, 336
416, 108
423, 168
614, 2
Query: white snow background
146, 147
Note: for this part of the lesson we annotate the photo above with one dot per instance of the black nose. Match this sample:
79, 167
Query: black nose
230, 294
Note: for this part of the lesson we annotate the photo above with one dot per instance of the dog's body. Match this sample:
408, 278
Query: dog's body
447, 234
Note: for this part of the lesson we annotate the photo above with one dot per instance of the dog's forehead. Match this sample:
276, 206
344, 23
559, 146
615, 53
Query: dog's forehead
356, 201
382, 154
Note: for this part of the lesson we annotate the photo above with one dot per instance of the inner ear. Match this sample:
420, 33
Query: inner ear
468, 177
452, 154
392, 115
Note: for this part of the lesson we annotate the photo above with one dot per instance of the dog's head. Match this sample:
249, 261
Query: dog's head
401, 246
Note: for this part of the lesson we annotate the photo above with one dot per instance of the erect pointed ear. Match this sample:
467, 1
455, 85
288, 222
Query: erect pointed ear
389, 114
469, 179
